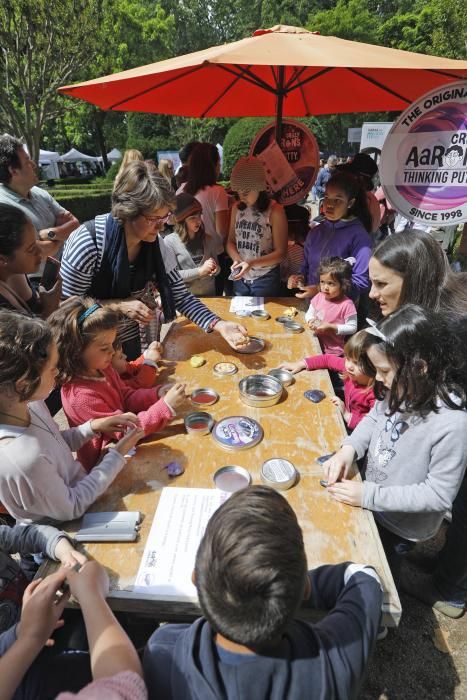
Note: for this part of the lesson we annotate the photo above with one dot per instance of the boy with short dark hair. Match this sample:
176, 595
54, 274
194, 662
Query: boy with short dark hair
251, 577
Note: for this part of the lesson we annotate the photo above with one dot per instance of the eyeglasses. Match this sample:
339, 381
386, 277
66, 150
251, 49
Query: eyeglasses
157, 219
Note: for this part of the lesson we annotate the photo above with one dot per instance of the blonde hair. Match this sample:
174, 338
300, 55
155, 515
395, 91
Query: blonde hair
130, 156
72, 333
166, 169
180, 229
140, 188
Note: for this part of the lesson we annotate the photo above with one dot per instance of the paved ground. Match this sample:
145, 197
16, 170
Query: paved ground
424, 659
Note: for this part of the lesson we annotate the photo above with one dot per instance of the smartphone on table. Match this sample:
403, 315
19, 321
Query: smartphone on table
51, 272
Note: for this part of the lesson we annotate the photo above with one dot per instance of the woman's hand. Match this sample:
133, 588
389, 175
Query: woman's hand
239, 269
347, 491
114, 424
235, 334
65, 553
129, 440
137, 311
338, 466
293, 367
175, 396
50, 299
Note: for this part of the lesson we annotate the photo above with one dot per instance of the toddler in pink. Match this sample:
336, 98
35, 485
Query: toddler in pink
332, 316
359, 397
85, 334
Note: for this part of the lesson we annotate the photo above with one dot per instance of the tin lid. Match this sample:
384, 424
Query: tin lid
242, 313
279, 473
282, 319
255, 344
225, 368
204, 397
231, 478
261, 314
237, 433
293, 326
199, 422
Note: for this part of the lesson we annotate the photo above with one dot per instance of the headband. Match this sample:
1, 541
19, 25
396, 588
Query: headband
373, 330
88, 312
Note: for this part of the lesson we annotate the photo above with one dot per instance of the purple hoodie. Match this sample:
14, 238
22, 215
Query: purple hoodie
345, 239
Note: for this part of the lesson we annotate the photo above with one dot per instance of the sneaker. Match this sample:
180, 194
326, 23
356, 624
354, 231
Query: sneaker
424, 589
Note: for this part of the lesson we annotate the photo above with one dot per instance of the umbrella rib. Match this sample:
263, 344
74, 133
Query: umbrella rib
155, 87
297, 72
221, 95
251, 77
312, 77
380, 85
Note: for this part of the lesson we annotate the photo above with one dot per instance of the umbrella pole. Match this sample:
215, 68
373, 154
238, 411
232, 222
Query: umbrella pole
280, 103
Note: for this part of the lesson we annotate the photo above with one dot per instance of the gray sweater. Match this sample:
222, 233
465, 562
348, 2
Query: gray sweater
189, 271
413, 468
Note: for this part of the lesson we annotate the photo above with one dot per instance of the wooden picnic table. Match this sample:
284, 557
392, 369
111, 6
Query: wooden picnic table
295, 429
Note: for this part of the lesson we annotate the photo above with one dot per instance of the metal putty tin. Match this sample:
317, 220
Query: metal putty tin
279, 473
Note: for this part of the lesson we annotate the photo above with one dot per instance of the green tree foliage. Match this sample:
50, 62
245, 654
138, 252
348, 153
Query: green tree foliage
43, 45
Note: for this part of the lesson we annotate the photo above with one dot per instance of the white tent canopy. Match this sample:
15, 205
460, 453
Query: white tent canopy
48, 156
114, 154
74, 155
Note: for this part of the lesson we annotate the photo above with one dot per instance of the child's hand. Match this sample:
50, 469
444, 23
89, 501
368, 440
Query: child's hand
239, 269
295, 282
40, 614
92, 578
129, 440
312, 324
338, 403
175, 396
322, 327
208, 268
307, 292
347, 491
69, 556
293, 367
153, 352
114, 424
338, 466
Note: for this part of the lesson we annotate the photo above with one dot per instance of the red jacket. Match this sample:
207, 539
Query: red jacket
84, 399
358, 399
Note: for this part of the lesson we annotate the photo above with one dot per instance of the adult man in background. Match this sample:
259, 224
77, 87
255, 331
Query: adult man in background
18, 180
324, 175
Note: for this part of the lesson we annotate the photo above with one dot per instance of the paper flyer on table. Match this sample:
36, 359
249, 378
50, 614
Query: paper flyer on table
169, 555
246, 304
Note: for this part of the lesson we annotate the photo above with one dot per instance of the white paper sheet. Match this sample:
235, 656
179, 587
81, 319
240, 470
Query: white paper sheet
169, 555
246, 304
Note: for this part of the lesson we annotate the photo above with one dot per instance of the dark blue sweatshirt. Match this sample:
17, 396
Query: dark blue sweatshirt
325, 661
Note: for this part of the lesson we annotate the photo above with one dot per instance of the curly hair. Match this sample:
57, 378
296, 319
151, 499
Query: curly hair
9, 156
340, 271
25, 344
73, 335
427, 357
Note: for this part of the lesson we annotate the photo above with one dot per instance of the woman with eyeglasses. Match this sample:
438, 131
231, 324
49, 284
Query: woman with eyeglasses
119, 258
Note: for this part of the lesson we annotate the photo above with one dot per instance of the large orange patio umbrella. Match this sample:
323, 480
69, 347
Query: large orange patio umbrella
282, 71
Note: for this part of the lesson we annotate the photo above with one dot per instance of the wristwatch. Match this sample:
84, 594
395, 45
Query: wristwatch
51, 235
212, 325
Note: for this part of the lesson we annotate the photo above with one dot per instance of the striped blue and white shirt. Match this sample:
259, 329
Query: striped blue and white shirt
81, 260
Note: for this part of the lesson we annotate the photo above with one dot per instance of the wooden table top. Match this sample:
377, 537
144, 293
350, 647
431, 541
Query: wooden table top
295, 429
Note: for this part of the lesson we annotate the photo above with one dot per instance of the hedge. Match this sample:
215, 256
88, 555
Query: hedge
84, 205
238, 140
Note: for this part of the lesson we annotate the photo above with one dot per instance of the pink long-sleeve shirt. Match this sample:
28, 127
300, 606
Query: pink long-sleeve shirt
86, 398
358, 399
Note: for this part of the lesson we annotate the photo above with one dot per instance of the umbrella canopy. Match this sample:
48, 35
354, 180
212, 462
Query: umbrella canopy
73, 155
279, 71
